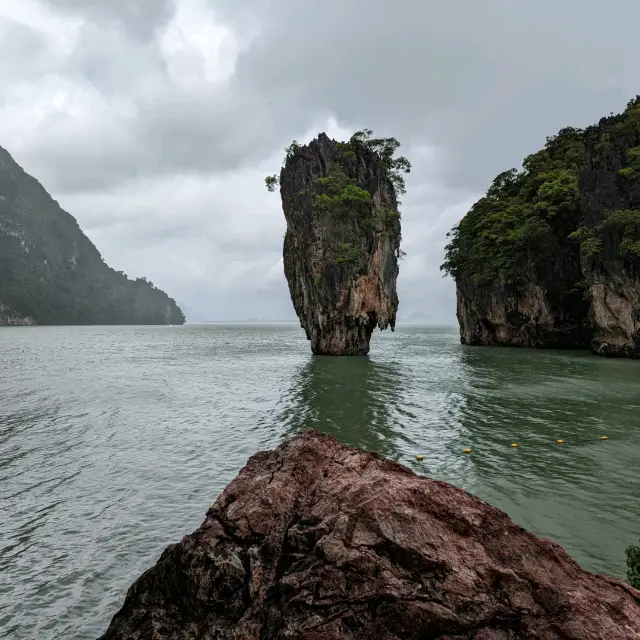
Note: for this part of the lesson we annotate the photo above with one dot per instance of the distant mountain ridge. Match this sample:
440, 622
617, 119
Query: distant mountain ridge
51, 273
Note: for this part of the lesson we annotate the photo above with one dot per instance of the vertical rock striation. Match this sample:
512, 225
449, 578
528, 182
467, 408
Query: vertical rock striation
610, 232
342, 242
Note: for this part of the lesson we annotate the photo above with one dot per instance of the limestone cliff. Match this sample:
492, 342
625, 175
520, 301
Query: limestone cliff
550, 256
610, 232
342, 242
523, 315
317, 541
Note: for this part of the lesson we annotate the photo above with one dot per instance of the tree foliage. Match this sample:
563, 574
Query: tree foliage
633, 565
386, 149
272, 182
623, 225
522, 216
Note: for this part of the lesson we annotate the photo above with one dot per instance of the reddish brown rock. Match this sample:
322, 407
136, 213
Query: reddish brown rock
316, 541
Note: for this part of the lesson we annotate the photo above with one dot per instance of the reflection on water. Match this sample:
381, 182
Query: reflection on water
114, 440
581, 493
352, 399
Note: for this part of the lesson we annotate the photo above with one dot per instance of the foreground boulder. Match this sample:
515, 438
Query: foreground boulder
342, 242
317, 540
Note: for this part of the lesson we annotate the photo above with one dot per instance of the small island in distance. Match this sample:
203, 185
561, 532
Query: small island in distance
52, 274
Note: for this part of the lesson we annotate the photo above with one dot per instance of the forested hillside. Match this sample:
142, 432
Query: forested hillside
50, 271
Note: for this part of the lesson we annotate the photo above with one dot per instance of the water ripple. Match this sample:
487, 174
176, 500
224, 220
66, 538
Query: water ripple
114, 440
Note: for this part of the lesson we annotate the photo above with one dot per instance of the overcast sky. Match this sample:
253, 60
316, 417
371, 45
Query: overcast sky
154, 122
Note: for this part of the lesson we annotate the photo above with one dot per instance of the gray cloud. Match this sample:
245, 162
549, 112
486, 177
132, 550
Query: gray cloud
154, 121
137, 18
499, 76
25, 48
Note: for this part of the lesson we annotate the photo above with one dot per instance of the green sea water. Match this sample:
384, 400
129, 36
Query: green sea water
114, 440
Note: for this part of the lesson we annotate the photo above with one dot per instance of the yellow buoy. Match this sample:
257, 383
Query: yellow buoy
212, 505
514, 444
419, 458
559, 441
603, 438
467, 451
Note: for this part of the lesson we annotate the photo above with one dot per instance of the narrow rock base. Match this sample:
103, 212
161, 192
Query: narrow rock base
342, 341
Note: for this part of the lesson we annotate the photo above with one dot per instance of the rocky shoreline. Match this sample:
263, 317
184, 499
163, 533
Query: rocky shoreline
11, 318
317, 540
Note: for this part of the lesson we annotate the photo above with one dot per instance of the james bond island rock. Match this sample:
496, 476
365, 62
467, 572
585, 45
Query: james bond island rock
550, 257
51, 273
342, 242
316, 540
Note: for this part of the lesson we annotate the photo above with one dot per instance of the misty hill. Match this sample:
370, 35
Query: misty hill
50, 271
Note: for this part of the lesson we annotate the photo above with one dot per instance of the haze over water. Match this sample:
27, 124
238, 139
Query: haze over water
114, 441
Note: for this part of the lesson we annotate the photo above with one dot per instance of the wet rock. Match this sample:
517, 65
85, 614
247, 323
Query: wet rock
11, 318
526, 315
316, 540
342, 243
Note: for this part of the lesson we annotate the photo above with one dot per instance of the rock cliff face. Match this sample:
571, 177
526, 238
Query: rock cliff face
316, 540
342, 243
550, 257
521, 316
610, 233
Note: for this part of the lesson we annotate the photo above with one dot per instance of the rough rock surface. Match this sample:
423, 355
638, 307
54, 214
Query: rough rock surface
11, 318
613, 278
341, 267
316, 540
522, 316
615, 314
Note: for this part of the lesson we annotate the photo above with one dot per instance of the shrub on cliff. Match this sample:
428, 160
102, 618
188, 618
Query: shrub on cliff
633, 566
384, 147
